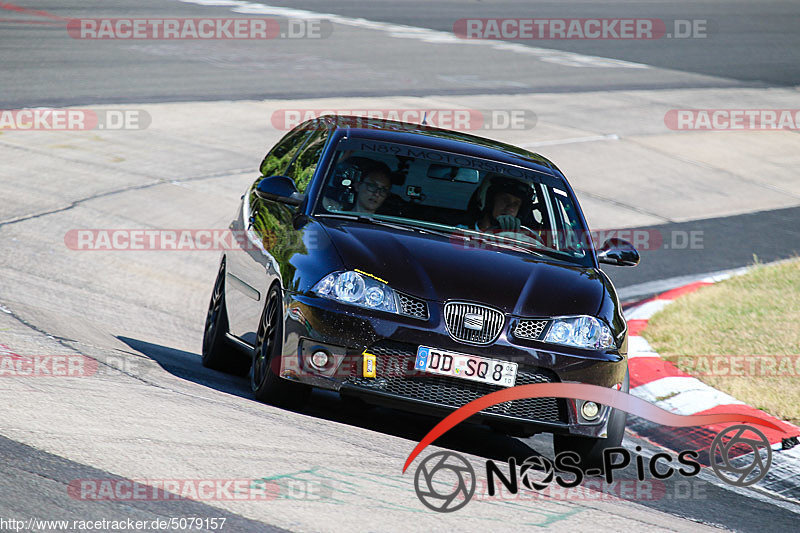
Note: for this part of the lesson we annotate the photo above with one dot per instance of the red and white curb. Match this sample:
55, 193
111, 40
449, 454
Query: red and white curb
661, 383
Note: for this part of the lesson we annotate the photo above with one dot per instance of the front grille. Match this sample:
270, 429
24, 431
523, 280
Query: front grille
472, 323
530, 329
413, 307
396, 376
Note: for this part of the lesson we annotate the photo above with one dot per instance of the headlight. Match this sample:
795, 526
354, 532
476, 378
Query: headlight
353, 288
580, 331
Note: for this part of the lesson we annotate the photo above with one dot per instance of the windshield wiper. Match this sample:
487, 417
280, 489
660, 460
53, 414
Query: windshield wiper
365, 218
504, 242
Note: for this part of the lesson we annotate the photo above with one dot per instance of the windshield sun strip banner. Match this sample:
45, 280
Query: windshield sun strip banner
451, 158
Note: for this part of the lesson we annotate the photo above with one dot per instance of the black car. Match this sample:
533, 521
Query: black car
420, 268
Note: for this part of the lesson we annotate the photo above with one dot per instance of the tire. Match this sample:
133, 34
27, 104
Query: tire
267, 385
218, 351
591, 449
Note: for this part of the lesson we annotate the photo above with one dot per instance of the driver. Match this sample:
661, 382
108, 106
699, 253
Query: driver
504, 199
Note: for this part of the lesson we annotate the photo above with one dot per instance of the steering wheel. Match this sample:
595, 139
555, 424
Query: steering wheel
524, 234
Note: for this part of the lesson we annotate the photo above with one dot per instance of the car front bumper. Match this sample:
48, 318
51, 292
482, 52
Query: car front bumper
346, 332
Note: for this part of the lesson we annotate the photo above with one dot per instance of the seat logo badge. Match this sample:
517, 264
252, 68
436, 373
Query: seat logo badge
473, 321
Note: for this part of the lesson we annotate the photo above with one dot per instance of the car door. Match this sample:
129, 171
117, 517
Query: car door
271, 228
250, 266
276, 222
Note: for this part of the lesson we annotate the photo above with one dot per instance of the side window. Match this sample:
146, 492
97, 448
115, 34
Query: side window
281, 155
572, 234
305, 164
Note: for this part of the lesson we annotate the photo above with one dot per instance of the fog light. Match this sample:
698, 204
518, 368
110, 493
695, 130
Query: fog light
319, 359
590, 410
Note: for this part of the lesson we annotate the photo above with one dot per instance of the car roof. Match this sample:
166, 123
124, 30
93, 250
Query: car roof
442, 139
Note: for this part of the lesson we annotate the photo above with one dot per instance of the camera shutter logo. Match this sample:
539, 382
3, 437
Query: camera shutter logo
454, 486
536, 472
735, 471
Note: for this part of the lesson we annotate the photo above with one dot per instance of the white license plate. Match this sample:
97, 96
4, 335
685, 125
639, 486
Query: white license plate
465, 366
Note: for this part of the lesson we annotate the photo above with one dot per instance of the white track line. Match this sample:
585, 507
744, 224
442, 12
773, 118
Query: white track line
663, 285
593, 138
426, 35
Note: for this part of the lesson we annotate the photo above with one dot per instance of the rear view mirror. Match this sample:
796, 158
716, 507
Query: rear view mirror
618, 252
280, 189
445, 172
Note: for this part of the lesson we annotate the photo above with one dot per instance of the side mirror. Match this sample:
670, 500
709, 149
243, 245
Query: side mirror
618, 252
280, 189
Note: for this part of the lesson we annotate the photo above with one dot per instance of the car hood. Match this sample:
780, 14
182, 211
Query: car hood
441, 269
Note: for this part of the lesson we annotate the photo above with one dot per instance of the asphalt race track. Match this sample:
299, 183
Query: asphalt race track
700, 202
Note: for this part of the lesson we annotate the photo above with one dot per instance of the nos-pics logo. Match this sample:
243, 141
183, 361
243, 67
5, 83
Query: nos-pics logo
740, 455
445, 481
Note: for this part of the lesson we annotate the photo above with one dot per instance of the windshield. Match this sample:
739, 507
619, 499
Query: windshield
480, 203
